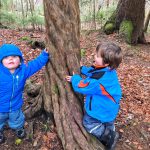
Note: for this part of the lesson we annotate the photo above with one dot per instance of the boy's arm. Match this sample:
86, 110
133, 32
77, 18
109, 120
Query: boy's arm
35, 65
85, 86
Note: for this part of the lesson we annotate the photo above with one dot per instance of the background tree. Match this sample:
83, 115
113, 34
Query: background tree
31, 2
107, 3
21, 14
129, 20
147, 21
63, 41
94, 14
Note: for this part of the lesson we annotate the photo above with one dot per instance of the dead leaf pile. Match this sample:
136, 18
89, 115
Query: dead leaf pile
134, 75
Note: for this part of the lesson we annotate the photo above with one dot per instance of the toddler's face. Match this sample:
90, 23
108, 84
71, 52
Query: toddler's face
11, 62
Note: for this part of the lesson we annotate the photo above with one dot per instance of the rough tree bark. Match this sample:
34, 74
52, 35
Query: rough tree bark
63, 42
133, 11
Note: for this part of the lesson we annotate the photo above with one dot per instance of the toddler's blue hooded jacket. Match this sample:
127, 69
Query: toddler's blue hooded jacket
12, 85
102, 90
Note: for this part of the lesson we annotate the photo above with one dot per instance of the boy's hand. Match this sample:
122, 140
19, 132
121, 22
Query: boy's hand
46, 50
68, 78
81, 64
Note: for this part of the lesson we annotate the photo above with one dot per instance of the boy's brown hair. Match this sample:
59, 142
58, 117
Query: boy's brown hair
111, 54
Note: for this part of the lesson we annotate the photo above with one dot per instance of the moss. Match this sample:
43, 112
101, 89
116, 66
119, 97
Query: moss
25, 38
82, 52
109, 28
18, 141
126, 29
55, 89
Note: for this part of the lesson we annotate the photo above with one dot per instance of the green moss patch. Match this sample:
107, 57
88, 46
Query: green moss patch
109, 28
126, 29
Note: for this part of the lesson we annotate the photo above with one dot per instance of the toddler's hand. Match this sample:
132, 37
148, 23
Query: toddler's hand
68, 78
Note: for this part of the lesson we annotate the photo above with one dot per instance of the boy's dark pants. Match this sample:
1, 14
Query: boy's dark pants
97, 128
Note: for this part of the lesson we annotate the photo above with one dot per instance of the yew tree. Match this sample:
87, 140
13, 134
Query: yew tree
56, 96
129, 20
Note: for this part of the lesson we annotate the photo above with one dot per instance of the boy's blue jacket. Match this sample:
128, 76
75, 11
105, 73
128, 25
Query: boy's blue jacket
12, 85
102, 90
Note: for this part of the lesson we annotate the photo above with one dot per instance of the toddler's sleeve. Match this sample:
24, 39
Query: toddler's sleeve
35, 65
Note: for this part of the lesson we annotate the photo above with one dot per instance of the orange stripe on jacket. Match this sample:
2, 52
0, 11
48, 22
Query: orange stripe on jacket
82, 84
104, 92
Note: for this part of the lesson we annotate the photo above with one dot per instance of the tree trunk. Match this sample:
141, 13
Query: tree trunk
133, 11
147, 22
63, 42
100, 4
27, 8
23, 16
31, 2
63, 39
107, 3
94, 17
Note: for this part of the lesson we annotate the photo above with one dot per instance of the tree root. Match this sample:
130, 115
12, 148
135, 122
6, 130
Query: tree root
35, 99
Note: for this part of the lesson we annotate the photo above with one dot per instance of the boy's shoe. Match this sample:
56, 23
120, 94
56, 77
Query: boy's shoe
20, 133
1, 137
115, 138
109, 139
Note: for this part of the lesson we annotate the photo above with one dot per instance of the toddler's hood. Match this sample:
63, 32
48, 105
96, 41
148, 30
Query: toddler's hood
10, 50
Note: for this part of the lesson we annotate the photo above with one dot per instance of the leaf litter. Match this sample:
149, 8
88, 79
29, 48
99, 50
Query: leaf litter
133, 121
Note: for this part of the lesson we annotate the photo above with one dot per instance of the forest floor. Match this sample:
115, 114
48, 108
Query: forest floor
133, 121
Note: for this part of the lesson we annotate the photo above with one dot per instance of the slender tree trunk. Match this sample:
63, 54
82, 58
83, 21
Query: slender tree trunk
100, 4
23, 14
147, 21
107, 3
31, 2
27, 8
94, 13
12, 6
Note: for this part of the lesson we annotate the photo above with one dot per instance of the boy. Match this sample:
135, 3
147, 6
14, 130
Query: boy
13, 75
103, 93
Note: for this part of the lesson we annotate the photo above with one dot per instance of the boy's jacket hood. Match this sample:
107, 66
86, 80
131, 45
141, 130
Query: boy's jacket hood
9, 50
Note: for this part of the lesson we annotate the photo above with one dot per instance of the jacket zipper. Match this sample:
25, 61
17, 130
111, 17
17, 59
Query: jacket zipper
17, 78
90, 105
12, 94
